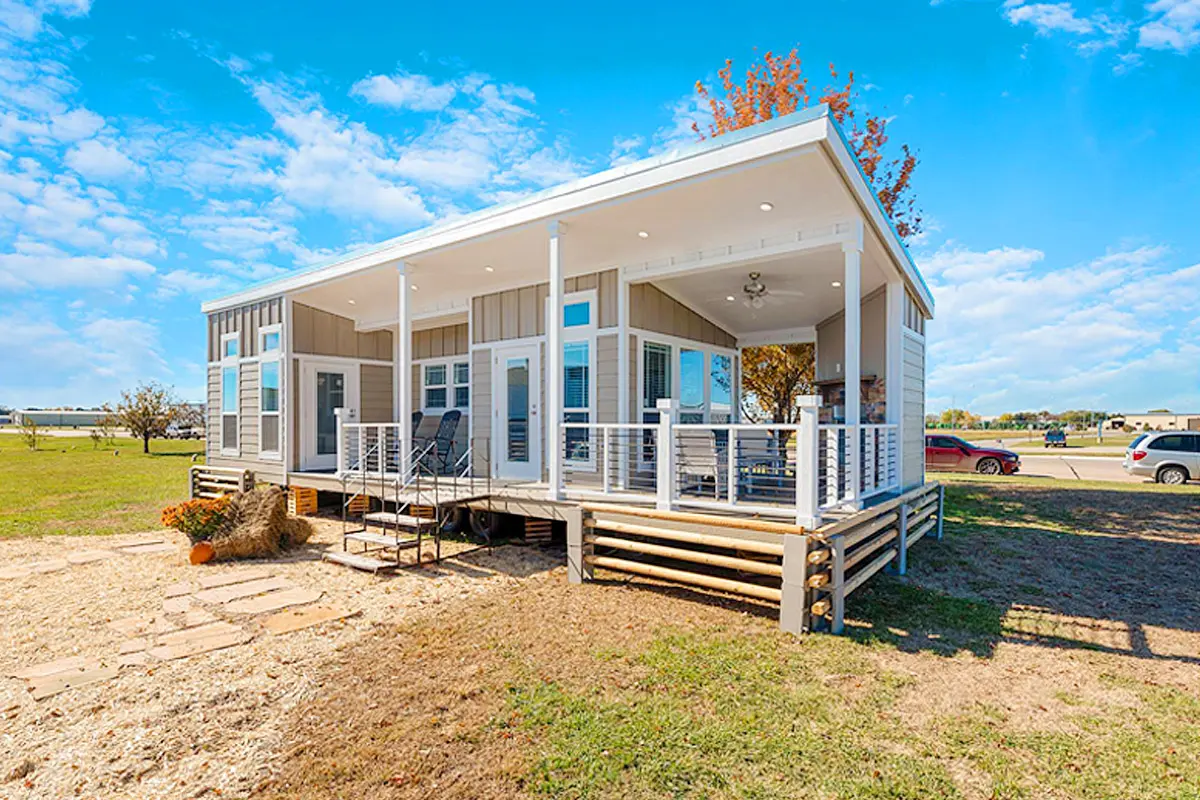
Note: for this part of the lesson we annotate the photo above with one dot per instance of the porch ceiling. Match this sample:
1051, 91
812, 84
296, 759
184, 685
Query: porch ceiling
803, 187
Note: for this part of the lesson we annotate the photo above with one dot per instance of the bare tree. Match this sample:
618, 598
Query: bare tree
30, 431
147, 411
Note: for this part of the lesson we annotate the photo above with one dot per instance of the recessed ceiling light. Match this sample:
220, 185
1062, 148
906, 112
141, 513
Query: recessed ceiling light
730, 298
351, 302
643, 235
765, 206
414, 287
837, 284
489, 268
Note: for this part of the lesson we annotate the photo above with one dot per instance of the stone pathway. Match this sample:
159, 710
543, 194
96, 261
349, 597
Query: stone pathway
189, 624
82, 557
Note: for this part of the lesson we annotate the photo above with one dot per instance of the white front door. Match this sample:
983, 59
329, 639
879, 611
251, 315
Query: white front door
324, 387
516, 424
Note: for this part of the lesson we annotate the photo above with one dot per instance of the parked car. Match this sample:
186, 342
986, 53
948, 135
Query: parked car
1167, 456
952, 454
1056, 437
184, 432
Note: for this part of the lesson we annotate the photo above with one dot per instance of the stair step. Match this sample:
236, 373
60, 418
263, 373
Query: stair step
398, 520
382, 539
356, 561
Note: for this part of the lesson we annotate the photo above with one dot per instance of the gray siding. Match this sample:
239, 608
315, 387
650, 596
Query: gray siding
247, 458
607, 388
375, 393
520, 313
244, 321
448, 340
481, 407
914, 411
319, 333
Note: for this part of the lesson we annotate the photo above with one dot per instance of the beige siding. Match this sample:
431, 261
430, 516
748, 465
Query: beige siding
448, 340
375, 393
914, 411
319, 333
520, 313
635, 402
247, 457
651, 309
248, 410
481, 407
831, 341
607, 379
245, 321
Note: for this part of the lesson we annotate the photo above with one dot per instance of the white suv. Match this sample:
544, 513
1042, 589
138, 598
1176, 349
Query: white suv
1168, 456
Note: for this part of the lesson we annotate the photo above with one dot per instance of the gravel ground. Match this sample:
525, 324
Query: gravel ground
206, 726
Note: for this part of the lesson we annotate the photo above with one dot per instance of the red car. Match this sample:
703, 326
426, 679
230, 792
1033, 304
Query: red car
952, 454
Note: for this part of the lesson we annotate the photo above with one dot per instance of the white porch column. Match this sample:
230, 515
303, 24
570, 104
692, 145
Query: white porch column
894, 380
554, 369
852, 318
403, 369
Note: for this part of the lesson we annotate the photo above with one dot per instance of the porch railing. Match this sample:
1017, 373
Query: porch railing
798, 470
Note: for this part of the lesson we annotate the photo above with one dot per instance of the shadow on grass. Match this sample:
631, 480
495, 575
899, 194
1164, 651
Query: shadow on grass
1108, 571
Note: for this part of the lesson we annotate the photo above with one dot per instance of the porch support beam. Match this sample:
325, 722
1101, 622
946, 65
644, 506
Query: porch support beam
802, 335
554, 370
851, 286
403, 369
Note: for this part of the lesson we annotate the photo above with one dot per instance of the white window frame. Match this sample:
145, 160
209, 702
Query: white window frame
231, 362
451, 384
575, 335
270, 357
678, 345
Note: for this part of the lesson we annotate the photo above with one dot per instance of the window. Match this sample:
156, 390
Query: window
445, 382
577, 315
1178, 443
721, 389
656, 375
269, 369
577, 398
691, 386
230, 350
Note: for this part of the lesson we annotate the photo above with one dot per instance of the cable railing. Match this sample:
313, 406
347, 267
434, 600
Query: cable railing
616, 460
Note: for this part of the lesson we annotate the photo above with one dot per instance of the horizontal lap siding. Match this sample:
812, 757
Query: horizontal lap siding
914, 411
607, 378
248, 410
481, 407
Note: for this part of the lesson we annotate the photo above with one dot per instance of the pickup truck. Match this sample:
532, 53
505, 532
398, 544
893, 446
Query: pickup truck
1055, 438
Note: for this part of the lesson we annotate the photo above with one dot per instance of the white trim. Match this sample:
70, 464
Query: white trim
803, 335
309, 365
378, 362
402, 366
500, 410
286, 399
691, 344
264, 358
737, 150
450, 386
911, 334
230, 362
622, 349
520, 340
552, 413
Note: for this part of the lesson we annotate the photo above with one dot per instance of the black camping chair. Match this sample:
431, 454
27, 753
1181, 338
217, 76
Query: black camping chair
418, 416
440, 457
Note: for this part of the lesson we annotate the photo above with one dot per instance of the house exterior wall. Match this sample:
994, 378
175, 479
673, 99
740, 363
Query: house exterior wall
320, 333
913, 445
651, 309
246, 322
831, 341
520, 313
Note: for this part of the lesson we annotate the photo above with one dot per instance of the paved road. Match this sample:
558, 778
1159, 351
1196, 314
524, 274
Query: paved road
1084, 468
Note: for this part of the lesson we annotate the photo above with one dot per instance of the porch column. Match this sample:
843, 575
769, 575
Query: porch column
403, 369
894, 380
554, 369
853, 333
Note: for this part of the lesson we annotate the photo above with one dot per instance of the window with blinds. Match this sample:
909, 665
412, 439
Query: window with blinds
656, 374
577, 398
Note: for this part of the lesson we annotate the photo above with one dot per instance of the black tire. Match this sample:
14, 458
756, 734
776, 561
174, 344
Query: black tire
1172, 476
485, 525
989, 466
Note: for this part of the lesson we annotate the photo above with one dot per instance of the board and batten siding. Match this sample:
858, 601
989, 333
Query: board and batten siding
375, 390
320, 333
914, 410
521, 313
245, 321
651, 309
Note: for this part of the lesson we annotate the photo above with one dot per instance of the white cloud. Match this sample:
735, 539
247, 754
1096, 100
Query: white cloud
25, 20
53, 269
1047, 17
1013, 333
76, 124
1174, 25
404, 90
182, 281
100, 161
625, 150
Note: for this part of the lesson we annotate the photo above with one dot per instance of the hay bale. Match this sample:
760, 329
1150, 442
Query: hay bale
296, 531
257, 526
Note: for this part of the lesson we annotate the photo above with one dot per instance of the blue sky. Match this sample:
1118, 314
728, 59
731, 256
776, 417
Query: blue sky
156, 154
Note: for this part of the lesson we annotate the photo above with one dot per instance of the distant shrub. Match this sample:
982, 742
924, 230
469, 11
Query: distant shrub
199, 519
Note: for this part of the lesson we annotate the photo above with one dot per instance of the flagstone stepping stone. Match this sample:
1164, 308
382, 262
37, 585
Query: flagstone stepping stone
198, 616
46, 686
14, 572
239, 576
88, 556
149, 549
274, 601
179, 589
134, 645
177, 605
227, 594
49, 565
298, 618
136, 659
52, 667
194, 641
137, 626
139, 542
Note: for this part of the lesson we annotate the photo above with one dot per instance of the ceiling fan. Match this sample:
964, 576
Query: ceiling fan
757, 295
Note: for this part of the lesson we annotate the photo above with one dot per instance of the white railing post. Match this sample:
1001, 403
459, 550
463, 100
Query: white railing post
607, 477
664, 452
731, 465
808, 451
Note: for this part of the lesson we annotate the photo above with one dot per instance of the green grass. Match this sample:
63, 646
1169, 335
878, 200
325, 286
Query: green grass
69, 486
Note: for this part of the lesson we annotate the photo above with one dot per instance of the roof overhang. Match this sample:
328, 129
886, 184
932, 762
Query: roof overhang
747, 148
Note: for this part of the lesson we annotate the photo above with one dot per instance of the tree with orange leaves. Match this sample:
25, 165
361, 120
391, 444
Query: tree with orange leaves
777, 86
